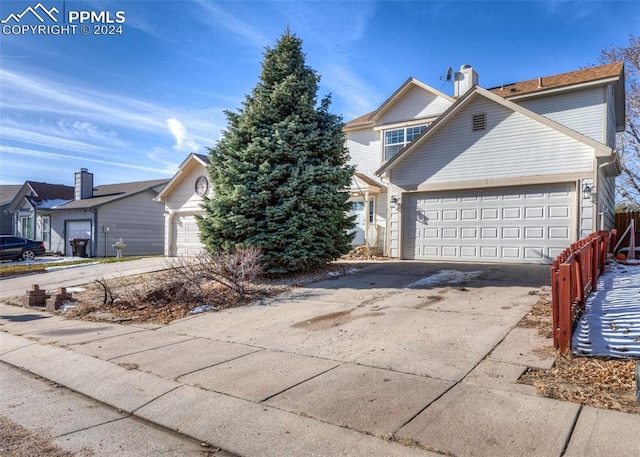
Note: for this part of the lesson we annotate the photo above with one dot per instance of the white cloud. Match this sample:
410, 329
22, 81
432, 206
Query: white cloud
216, 16
56, 156
184, 143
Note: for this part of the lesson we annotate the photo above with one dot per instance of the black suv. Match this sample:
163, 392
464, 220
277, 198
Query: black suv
18, 248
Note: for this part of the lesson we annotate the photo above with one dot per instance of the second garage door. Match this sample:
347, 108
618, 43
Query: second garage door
507, 224
185, 235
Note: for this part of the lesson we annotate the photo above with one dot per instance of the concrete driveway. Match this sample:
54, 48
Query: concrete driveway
356, 365
370, 318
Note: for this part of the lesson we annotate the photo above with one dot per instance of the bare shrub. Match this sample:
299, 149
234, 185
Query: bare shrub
192, 276
109, 296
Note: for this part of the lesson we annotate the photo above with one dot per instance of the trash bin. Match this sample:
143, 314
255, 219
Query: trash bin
79, 246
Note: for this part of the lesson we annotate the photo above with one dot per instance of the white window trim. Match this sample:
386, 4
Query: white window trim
403, 144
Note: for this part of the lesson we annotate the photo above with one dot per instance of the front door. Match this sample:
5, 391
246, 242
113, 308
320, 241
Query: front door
44, 231
358, 210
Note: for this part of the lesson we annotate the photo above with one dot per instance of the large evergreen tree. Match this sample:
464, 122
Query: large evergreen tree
279, 171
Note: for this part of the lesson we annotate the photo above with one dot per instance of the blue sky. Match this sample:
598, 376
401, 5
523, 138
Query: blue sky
132, 106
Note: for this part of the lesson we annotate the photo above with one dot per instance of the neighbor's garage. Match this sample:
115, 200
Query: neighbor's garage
185, 235
507, 224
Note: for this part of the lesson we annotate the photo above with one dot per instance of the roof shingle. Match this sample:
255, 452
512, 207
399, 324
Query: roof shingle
562, 80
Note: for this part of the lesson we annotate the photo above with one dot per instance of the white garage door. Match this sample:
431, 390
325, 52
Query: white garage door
508, 224
185, 235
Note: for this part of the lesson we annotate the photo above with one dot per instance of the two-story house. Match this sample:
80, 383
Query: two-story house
514, 173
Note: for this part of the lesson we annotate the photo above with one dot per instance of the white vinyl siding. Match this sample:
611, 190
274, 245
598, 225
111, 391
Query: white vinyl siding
530, 224
183, 197
513, 145
611, 119
581, 111
605, 195
414, 104
364, 150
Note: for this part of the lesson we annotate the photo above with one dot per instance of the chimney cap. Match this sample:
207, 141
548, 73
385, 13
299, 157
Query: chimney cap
466, 66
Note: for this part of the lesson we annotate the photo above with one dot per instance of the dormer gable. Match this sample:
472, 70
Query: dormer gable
411, 101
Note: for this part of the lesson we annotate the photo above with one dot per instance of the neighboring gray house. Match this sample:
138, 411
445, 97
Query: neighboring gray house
512, 174
182, 198
101, 214
25, 206
7, 193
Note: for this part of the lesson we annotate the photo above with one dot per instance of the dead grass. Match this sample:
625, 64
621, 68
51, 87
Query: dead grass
17, 441
593, 381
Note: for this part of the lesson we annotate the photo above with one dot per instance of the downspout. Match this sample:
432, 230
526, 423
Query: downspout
596, 183
578, 211
94, 230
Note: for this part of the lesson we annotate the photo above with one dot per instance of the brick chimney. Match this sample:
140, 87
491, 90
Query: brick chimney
465, 79
83, 184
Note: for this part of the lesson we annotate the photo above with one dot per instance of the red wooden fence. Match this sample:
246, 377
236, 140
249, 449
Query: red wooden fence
574, 275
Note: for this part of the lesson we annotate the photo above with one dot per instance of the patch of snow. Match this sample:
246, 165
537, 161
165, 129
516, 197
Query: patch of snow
53, 203
340, 273
445, 277
203, 309
71, 290
610, 325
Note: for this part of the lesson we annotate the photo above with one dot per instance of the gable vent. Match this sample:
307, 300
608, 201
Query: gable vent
479, 122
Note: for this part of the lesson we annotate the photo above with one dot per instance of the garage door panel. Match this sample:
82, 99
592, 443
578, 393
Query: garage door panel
489, 233
489, 213
534, 233
534, 212
559, 233
449, 233
432, 234
511, 213
469, 251
489, 252
511, 233
500, 224
469, 233
559, 212
469, 214
510, 253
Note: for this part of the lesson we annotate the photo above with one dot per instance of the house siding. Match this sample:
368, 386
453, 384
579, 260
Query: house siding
605, 191
364, 150
137, 220
183, 197
581, 111
415, 103
611, 119
513, 145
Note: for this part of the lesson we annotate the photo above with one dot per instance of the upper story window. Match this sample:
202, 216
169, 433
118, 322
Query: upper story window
395, 140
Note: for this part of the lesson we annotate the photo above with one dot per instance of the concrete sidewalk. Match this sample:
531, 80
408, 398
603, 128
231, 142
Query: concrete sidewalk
356, 366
